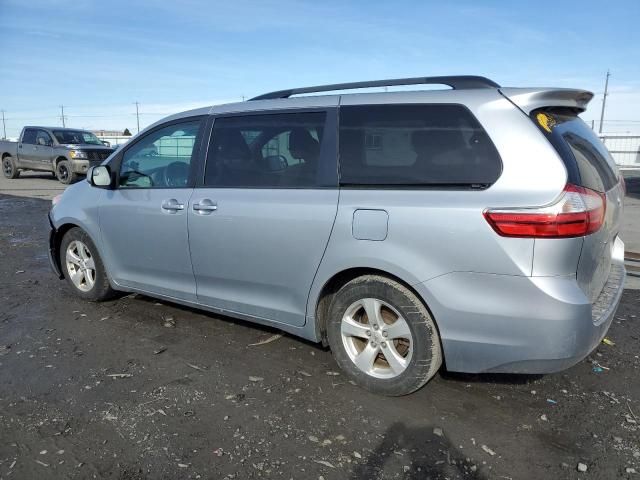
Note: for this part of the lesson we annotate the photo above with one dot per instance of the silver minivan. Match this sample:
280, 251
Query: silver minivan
475, 227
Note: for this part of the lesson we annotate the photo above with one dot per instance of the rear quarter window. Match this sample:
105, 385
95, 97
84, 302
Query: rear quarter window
588, 162
415, 145
29, 136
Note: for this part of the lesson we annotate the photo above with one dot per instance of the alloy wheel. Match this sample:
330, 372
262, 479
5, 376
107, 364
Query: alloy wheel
63, 173
377, 338
81, 266
7, 167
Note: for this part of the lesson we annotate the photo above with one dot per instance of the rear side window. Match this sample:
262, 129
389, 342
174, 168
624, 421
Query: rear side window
29, 136
271, 150
588, 162
415, 145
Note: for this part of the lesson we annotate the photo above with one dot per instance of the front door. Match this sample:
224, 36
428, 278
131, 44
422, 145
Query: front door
260, 223
143, 221
43, 151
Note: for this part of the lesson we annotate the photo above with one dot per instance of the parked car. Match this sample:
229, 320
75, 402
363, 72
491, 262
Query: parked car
475, 227
66, 152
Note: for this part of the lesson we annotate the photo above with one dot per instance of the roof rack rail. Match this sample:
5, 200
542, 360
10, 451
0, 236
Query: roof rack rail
457, 82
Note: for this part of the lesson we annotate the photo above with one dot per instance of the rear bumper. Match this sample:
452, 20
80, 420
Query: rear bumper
511, 324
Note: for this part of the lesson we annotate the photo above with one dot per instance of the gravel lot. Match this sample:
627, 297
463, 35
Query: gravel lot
135, 388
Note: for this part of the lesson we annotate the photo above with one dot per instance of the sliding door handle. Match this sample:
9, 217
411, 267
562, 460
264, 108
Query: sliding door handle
205, 207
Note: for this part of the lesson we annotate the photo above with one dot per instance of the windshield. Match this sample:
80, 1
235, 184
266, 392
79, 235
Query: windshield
76, 137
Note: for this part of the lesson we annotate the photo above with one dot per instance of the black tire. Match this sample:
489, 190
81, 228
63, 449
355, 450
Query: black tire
426, 356
64, 174
9, 167
101, 289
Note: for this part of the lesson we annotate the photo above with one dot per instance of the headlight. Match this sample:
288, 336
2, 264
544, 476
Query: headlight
55, 200
77, 154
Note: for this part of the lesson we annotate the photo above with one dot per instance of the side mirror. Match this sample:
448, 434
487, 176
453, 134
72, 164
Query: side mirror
42, 141
100, 176
105, 143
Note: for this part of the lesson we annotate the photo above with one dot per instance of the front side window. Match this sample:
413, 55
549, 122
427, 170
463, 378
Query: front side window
415, 145
162, 158
43, 138
275, 150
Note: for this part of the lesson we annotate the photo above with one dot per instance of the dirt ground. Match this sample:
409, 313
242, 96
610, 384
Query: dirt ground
135, 388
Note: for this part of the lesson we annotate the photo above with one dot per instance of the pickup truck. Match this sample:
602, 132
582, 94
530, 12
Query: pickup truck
66, 152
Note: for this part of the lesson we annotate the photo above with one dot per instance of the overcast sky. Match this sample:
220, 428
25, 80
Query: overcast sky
97, 58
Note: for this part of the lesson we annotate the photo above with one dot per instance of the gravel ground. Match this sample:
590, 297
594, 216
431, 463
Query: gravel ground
135, 388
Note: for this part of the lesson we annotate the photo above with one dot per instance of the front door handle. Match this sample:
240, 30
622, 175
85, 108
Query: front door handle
172, 205
205, 207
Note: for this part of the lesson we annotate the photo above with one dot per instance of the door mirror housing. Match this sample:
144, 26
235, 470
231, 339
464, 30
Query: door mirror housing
42, 142
105, 143
100, 176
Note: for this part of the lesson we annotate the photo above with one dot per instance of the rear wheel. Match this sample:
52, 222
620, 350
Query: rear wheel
64, 173
382, 336
83, 267
9, 167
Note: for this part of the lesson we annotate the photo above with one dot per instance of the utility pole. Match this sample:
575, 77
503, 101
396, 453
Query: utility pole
4, 126
604, 100
62, 115
137, 116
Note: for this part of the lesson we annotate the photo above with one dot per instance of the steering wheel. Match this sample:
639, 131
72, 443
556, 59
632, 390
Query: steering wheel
176, 174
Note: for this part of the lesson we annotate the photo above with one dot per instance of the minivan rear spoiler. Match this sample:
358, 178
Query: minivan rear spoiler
529, 99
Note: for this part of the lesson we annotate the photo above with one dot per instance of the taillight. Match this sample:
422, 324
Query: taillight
623, 184
578, 212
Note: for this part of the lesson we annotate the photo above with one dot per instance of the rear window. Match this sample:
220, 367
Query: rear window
415, 145
588, 162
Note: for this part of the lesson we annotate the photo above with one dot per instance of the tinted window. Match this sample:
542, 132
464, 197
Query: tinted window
43, 138
162, 158
276, 150
415, 145
588, 162
29, 136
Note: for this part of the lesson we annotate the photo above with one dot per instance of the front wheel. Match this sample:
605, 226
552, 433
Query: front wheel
9, 168
382, 336
64, 173
83, 267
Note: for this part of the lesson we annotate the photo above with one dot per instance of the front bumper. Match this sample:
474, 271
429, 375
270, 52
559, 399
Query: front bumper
81, 166
511, 324
52, 251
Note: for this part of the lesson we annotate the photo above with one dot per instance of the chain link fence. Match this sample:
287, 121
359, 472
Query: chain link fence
625, 150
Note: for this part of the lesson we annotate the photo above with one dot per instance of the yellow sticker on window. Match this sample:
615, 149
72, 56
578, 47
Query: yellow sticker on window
546, 121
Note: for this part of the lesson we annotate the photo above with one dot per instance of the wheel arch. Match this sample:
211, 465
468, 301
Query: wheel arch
56, 243
59, 159
338, 280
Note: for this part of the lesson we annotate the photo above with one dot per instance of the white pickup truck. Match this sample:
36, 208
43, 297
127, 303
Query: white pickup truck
66, 152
